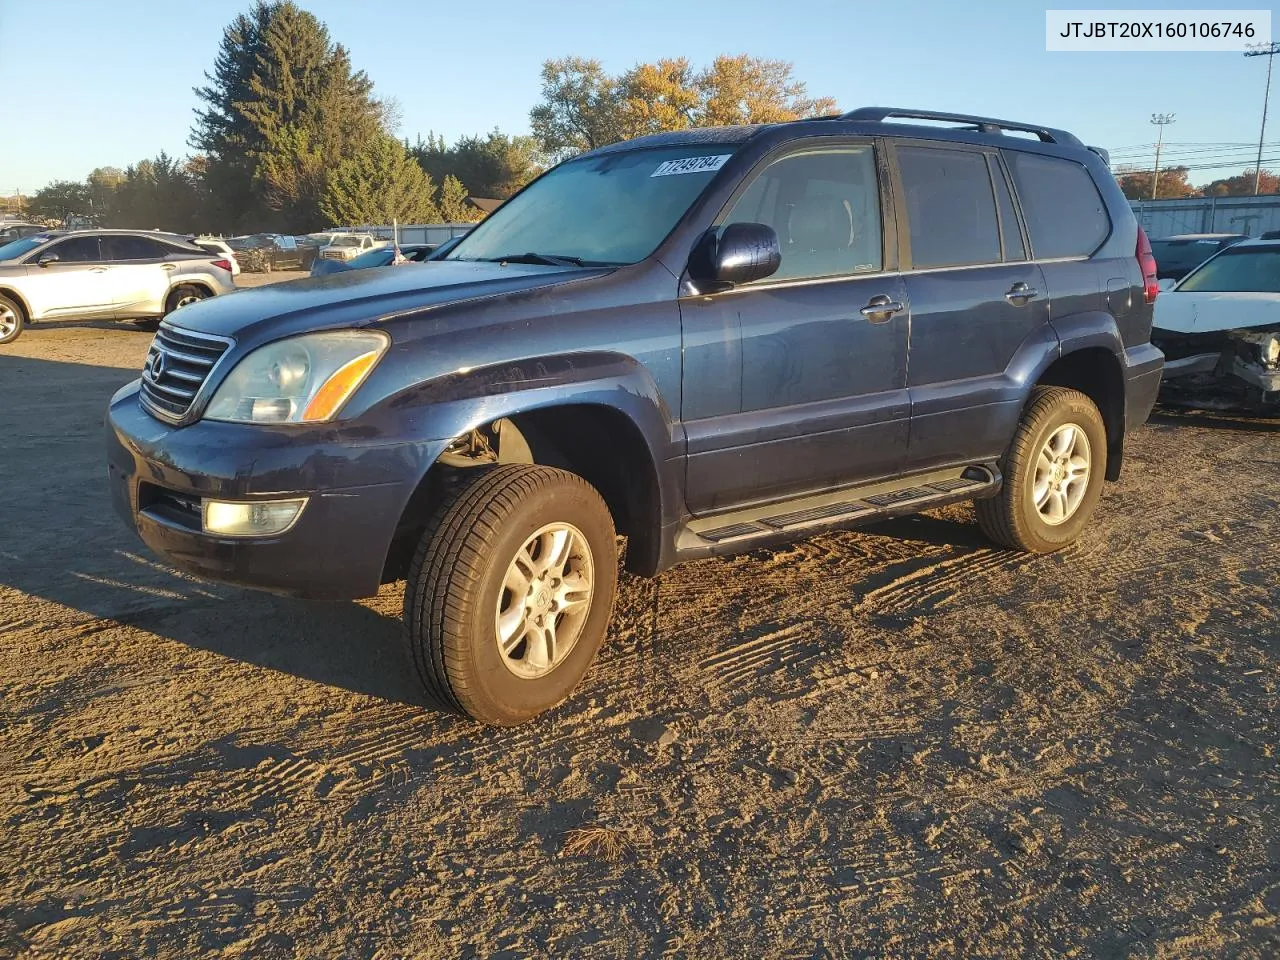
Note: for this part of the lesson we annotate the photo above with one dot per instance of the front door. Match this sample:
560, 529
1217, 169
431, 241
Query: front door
979, 307
797, 383
77, 283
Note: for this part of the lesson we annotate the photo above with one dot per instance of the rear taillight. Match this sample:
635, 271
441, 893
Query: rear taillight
1147, 263
226, 264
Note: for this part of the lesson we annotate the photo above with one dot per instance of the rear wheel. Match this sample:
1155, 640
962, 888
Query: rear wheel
1053, 474
511, 590
12, 320
183, 296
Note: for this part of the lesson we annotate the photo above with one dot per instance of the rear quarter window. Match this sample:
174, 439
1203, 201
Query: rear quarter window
1064, 212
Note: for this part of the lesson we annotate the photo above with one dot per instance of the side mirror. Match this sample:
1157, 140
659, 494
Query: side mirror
739, 253
1168, 283
47, 259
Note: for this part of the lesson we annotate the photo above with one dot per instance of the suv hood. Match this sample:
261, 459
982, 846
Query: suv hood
359, 297
1190, 312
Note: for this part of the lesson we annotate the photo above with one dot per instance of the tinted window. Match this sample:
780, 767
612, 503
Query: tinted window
76, 250
1065, 214
1010, 233
1238, 269
951, 208
825, 207
135, 248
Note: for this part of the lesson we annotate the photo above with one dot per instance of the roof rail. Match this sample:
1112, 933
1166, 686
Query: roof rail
982, 124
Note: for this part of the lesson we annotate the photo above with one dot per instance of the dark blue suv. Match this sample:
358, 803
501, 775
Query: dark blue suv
701, 341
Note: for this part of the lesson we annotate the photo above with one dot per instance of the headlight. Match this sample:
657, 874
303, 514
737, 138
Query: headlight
304, 379
1270, 349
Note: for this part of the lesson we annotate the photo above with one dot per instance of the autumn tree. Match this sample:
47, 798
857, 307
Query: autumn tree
380, 183
654, 97
283, 106
746, 89
1241, 185
583, 107
1136, 184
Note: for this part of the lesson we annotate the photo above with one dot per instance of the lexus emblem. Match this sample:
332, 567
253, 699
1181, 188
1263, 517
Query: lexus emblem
156, 365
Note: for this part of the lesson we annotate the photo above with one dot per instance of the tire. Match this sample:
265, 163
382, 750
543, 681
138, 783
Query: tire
182, 295
1013, 518
12, 320
459, 587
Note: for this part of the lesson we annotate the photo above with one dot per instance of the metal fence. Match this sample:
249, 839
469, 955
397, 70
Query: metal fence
1252, 215
422, 232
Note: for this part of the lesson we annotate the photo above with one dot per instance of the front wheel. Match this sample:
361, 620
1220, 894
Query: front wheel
1053, 474
12, 320
510, 592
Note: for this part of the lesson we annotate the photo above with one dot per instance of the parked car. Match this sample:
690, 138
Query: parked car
12, 230
1178, 256
379, 257
1221, 322
348, 246
726, 338
265, 252
134, 274
214, 245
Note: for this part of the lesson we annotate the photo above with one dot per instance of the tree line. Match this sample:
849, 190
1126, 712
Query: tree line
1174, 185
289, 136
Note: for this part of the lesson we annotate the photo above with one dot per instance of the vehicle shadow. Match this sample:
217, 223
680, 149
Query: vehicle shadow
76, 553
1218, 420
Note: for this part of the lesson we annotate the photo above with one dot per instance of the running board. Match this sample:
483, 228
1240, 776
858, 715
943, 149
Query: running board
792, 519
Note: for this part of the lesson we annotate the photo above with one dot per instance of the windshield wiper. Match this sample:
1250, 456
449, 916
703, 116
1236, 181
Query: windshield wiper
547, 259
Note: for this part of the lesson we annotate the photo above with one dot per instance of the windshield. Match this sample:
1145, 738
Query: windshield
1183, 254
16, 248
345, 241
374, 258
609, 209
1238, 270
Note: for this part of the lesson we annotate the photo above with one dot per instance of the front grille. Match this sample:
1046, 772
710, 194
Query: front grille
176, 367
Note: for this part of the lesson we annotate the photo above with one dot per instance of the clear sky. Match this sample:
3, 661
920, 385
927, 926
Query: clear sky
89, 83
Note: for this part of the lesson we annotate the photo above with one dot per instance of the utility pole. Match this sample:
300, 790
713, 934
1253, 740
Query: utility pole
1160, 120
1268, 50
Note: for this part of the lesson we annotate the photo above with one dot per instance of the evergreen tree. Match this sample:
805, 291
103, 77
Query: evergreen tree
493, 165
380, 183
282, 107
454, 207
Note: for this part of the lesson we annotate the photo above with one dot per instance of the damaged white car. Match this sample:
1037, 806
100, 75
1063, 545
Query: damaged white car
1219, 326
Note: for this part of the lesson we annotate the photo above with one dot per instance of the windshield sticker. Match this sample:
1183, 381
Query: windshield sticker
691, 165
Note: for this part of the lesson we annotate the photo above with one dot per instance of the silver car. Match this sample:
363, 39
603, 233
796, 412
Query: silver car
135, 274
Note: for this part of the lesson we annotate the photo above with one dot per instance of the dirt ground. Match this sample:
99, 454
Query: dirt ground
897, 742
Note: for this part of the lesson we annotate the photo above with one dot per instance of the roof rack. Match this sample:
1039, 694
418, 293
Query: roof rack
981, 124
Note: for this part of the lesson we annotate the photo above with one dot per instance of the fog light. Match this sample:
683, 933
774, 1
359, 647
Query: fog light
1271, 351
258, 518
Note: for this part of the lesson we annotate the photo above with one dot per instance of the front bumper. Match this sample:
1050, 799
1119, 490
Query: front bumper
357, 488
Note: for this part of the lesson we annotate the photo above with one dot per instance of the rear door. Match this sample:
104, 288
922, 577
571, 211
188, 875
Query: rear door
789, 387
78, 283
141, 269
978, 303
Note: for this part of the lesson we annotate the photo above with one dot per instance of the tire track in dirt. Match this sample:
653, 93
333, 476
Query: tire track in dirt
928, 584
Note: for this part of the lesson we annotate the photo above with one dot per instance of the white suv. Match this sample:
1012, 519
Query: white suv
104, 273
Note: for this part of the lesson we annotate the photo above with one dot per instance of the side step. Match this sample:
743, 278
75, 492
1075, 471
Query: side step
792, 519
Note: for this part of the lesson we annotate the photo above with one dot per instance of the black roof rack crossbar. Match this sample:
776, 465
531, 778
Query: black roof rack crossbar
982, 124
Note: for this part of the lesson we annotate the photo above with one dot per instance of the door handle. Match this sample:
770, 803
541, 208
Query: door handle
1020, 293
880, 309
97, 269
169, 266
